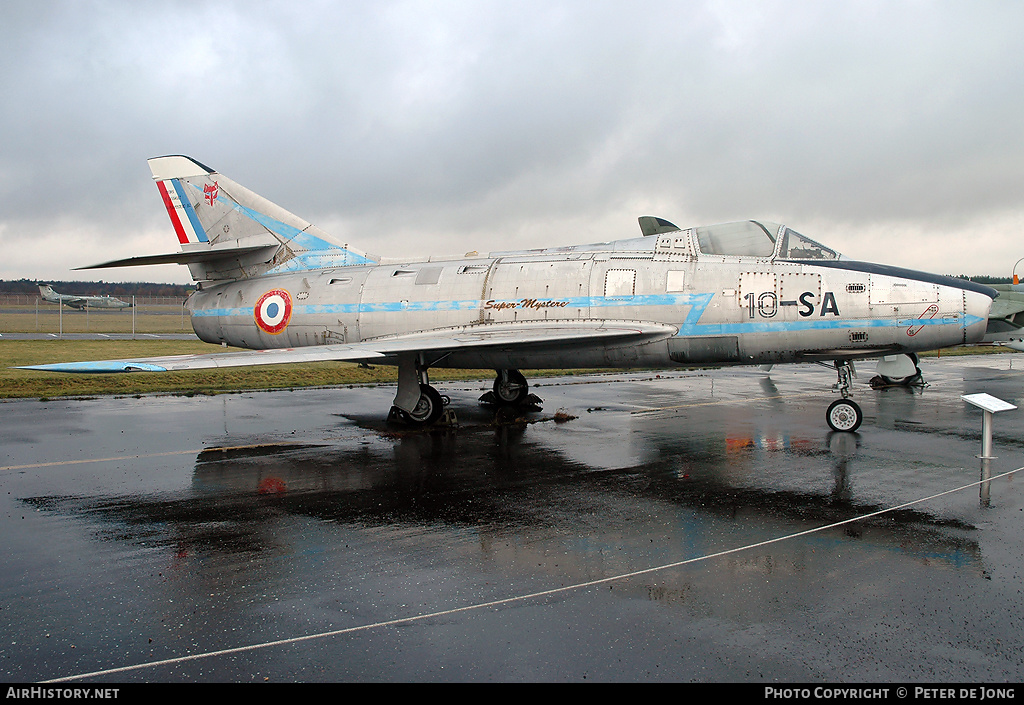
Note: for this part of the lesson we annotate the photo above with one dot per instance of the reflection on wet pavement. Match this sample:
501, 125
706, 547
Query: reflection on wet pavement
222, 521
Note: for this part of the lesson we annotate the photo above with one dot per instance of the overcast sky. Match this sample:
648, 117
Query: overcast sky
891, 131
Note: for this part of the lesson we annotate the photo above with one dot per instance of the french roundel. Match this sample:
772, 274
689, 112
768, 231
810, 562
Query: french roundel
273, 311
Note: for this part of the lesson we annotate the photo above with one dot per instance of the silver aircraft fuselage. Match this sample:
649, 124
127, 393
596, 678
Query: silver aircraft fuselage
741, 293
726, 309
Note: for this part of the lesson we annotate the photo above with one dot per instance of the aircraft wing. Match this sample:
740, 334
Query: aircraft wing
510, 336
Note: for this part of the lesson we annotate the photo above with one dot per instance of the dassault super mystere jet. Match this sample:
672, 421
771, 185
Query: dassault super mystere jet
47, 293
742, 293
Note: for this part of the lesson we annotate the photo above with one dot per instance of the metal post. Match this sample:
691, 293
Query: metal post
984, 489
989, 406
986, 435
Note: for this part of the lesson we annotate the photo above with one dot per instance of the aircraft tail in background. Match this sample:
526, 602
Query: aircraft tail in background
46, 293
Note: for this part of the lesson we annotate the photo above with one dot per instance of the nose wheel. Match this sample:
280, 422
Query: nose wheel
844, 414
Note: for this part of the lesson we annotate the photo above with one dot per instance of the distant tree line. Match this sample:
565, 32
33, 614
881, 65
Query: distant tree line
118, 289
982, 279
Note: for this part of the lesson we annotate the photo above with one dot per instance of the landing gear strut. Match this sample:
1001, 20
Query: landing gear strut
844, 414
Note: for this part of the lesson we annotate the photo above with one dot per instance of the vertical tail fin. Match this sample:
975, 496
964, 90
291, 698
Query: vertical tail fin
211, 213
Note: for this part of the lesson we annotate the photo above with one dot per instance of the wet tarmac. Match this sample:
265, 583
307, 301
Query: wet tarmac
202, 539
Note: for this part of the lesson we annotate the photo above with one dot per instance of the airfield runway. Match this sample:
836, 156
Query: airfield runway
667, 532
99, 336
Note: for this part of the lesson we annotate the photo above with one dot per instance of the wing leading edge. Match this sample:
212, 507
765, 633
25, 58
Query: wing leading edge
525, 335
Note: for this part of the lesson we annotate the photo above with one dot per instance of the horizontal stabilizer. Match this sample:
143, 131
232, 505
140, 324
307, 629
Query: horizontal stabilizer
260, 253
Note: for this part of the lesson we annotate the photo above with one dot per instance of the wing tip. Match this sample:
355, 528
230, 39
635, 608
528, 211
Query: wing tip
98, 367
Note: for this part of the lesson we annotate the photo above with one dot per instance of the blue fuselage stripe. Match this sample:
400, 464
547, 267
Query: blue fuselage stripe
697, 304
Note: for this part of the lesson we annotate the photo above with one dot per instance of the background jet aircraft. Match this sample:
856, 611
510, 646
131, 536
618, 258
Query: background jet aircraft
1006, 321
747, 293
48, 294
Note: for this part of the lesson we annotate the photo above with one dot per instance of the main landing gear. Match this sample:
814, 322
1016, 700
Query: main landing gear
510, 387
844, 414
898, 371
429, 407
511, 392
416, 402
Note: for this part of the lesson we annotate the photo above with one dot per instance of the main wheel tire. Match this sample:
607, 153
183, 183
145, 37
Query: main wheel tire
429, 408
512, 389
844, 415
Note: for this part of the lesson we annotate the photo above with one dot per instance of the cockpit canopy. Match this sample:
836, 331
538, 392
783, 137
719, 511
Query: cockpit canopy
752, 238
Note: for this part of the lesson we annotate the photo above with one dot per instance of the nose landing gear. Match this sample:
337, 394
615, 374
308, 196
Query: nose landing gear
844, 414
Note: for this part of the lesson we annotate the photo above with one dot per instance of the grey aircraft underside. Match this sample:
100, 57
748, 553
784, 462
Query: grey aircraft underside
742, 293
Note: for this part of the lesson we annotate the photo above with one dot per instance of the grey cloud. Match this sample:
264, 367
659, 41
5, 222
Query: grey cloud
522, 116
